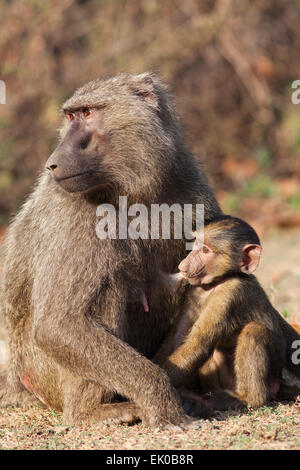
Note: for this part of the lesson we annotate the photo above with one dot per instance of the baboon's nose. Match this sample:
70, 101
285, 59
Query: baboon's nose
51, 164
51, 167
183, 266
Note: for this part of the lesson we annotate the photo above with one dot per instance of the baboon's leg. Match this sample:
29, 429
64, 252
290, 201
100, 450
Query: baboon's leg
255, 376
3, 378
209, 376
217, 380
257, 365
217, 372
13, 393
87, 401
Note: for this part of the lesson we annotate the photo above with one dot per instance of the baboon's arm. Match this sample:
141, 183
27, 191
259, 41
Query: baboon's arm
91, 351
175, 338
212, 325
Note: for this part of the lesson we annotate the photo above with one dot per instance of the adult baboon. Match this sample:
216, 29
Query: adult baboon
79, 334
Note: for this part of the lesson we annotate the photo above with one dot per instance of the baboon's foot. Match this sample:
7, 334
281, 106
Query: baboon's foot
184, 424
129, 413
194, 405
19, 399
173, 418
223, 400
110, 413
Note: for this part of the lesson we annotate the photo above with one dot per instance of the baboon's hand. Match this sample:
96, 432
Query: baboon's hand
183, 424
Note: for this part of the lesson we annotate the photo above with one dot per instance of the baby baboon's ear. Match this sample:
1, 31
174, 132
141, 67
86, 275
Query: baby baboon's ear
143, 85
250, 258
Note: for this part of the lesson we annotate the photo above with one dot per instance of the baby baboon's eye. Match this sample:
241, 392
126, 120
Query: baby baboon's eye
205, 249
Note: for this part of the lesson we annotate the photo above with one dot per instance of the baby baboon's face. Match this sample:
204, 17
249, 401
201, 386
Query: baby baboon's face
199, 266
230, 246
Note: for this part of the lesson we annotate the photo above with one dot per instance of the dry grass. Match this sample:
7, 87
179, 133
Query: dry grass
275, 427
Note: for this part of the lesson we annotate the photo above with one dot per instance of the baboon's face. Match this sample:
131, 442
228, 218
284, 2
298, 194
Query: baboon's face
200, 265
77, 163
220, 254
119, 133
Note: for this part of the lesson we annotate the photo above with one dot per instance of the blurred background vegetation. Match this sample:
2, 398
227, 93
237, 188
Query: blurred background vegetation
229, 64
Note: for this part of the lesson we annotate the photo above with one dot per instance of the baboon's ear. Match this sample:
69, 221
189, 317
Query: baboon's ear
250, 258
143, 85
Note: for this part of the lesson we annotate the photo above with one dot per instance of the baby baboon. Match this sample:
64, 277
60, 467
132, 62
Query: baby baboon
77, 338
228, 330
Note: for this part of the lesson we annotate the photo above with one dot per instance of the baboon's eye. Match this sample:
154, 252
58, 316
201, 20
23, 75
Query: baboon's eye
205, 249
70, 116
86, 112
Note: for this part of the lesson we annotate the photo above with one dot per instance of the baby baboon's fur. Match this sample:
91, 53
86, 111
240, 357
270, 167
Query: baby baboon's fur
229, 334
76, 337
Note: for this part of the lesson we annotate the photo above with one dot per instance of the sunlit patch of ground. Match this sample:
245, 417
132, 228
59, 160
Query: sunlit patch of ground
275, 427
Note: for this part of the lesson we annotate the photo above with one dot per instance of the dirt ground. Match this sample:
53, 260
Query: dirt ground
272, 427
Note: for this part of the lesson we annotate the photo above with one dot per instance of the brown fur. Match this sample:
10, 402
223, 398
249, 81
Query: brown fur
76, 338
228, 330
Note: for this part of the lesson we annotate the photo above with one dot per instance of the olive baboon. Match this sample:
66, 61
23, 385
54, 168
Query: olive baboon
79, 336
228, 335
